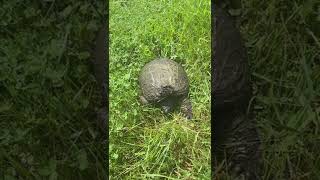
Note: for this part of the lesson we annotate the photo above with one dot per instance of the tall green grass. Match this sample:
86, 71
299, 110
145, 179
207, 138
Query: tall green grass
144, 143
47, 93
283, 44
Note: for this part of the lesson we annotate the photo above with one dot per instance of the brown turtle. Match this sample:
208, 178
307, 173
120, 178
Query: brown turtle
234, 130
164, 82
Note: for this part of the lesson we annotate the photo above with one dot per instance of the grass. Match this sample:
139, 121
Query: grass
144, 143
47, 92
284, 52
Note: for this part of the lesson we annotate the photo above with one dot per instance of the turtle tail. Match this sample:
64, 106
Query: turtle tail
186, 108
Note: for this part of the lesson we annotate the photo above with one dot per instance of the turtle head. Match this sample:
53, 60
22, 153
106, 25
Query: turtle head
166, 109
168, 104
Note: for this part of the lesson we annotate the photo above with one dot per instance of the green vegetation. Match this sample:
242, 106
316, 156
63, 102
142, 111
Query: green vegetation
144, 143
47, 94
283, 41
283, 44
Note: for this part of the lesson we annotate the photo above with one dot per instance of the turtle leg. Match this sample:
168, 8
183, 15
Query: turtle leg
186, 108
243, 149
143, 100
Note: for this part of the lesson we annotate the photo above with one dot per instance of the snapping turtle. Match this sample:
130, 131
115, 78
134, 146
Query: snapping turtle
164, 82
99, 62
234, 129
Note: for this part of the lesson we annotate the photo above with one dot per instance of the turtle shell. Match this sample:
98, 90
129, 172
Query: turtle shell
162, 78
231, 84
